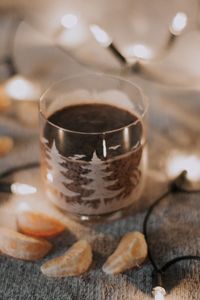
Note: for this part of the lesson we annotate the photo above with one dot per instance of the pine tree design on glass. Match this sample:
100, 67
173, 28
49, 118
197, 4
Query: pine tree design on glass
95, 185
100, 184
57, 172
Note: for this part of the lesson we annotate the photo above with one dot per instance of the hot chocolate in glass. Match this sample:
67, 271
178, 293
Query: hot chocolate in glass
93, 145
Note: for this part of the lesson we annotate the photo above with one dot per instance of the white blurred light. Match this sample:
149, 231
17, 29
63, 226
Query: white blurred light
159, 293
138, 51
69, 21
23, 206
104, 148
126, 137
100, 35
84, 218
23, 189
179, 22
49, 177
179, 162
74, 37
20, 88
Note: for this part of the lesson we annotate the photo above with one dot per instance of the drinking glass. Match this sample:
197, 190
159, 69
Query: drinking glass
93, 175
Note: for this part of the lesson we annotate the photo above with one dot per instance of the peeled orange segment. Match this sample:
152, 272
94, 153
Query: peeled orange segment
131, 251
5, 101
74, 262
20, 246
38, 224
6, 145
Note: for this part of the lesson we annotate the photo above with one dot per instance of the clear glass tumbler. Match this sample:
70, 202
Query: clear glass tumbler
93, 145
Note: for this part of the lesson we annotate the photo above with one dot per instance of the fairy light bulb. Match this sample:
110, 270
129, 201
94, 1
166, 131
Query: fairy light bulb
69, 21
104, 40
138, 51
72, 31
20, 88
22, 189
100, 35
179, 23
159, 293
180, 161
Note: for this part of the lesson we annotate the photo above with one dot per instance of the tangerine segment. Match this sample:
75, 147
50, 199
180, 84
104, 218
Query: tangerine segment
20, 246
74, 262
131, 251
6, 145
5, 101
38, 224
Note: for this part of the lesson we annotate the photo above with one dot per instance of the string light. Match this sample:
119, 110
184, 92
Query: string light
69, 21
159, 293
141, 51
100, 35
138, 51
179, 23
179, 184
23, 189
20, 88
17, 188
72, 33
179, 161
103, 38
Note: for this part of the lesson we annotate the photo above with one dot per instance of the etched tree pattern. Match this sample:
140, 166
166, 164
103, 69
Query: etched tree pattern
56, 171
91, 184
101, 186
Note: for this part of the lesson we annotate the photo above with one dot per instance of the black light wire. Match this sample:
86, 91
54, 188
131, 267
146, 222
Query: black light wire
176, 186
8, 59
5, 187
19, 168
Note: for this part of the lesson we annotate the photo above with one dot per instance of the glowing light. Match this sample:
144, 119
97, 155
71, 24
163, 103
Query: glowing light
159, 293
69, 21
126, 137
139, 51
100, 35
23, 206
180, 162
49, 177
20, 88
179, 22
104, 148
85, 218
74, 37
23, 189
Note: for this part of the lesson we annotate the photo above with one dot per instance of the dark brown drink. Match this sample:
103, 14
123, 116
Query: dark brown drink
92, 158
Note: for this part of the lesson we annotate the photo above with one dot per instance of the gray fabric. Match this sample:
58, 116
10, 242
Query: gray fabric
174, 228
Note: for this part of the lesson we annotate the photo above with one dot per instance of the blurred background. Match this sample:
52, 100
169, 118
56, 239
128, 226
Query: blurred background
157, 40
154, 43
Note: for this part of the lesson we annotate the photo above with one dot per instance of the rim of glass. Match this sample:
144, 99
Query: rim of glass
143, 97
